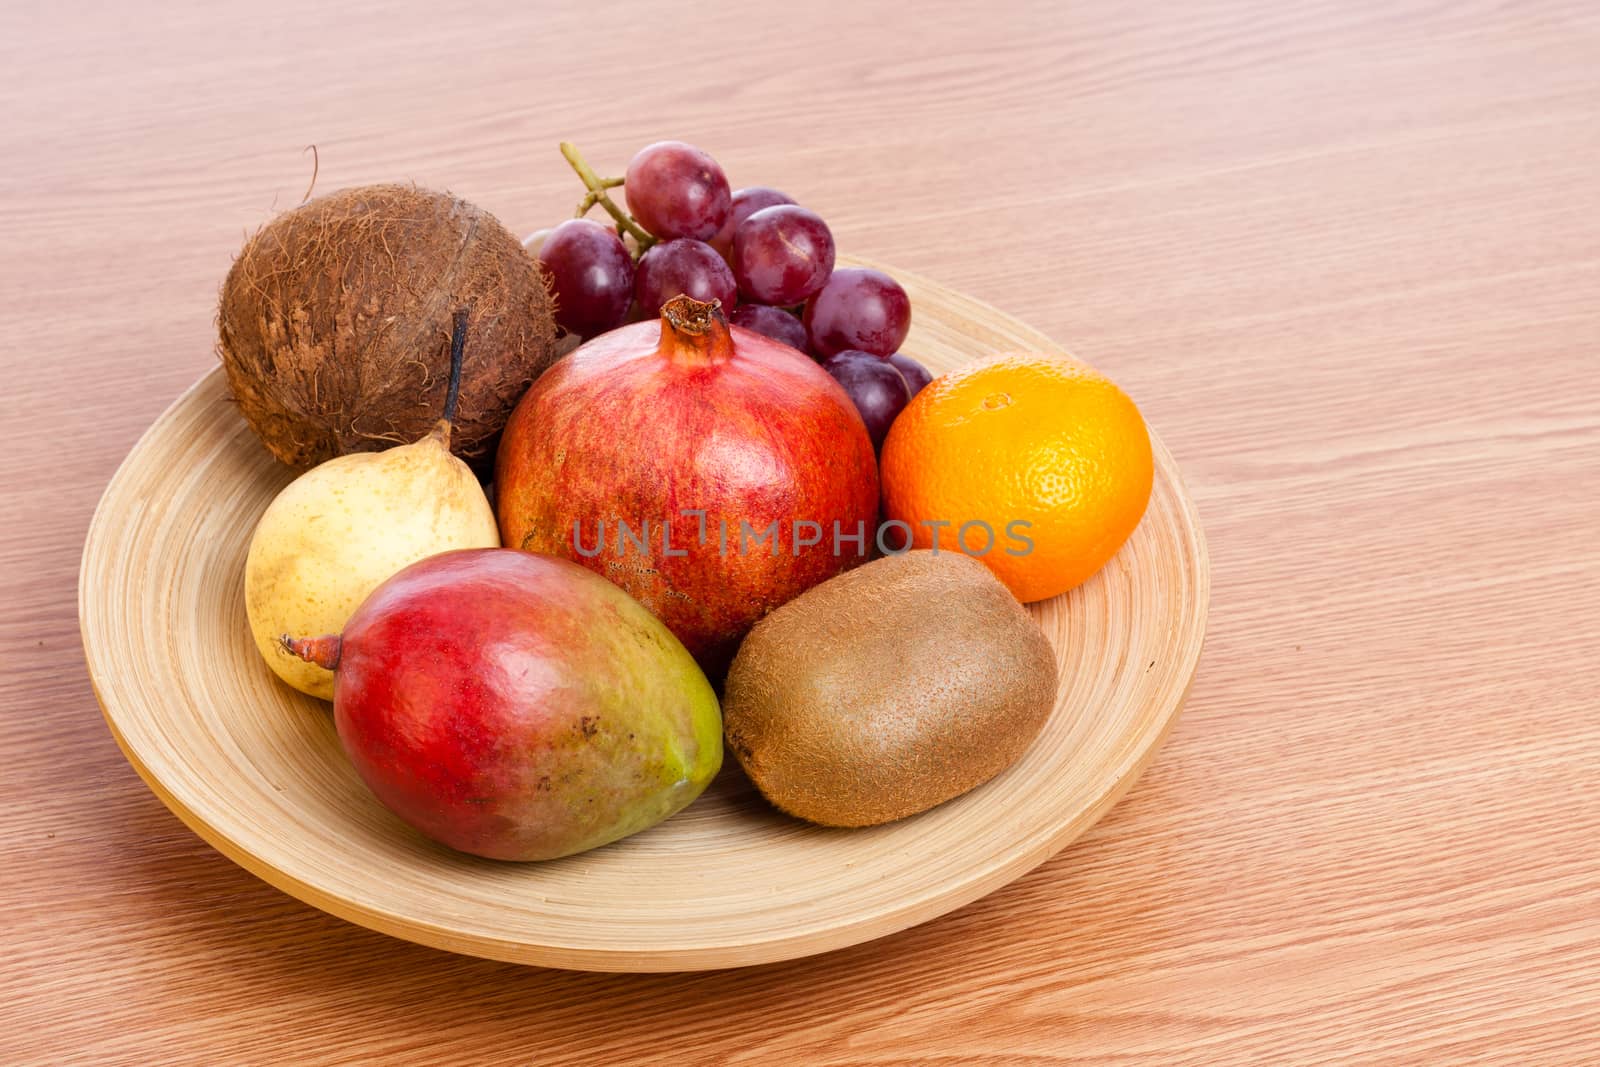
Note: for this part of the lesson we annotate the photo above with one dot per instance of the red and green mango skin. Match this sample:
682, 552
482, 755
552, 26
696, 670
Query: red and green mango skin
626, 429
519, 707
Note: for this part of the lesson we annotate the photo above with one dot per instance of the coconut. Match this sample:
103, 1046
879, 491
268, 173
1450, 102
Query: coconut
335, 324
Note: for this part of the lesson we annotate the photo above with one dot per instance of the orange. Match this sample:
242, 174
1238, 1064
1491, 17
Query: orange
1046, 454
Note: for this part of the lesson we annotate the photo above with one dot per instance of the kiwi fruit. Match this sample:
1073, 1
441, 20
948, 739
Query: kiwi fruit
887, 690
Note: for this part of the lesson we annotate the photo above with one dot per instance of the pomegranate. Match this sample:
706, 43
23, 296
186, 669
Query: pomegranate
710, 471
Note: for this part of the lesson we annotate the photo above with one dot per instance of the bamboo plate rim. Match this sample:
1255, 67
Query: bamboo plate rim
687, 951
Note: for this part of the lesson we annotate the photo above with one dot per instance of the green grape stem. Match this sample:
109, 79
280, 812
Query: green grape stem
597, 187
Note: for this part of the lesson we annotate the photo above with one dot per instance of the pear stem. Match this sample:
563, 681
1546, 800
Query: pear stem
458, 349
322, 651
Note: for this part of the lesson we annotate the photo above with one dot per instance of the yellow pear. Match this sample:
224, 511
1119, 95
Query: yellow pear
342, 528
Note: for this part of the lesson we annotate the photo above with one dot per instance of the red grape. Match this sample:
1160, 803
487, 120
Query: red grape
858, 308
873, 385
535, 241
776, 323
746, 202
915, 374
591, 275
682, 266
675, 190
781, 255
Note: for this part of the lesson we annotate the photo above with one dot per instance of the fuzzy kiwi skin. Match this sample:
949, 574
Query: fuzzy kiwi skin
334, 324
887, 690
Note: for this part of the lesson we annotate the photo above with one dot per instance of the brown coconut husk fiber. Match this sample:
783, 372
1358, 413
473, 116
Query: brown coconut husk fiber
335, 324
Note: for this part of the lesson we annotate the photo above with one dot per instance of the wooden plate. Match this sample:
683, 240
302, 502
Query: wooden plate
256, 769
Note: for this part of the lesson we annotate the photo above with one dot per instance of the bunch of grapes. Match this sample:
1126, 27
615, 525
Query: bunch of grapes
757, 252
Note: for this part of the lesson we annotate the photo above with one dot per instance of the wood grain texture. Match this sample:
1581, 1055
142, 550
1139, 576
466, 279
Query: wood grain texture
1343, 254
256, 768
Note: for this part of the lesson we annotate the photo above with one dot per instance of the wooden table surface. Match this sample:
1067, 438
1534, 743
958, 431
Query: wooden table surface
1346, 256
